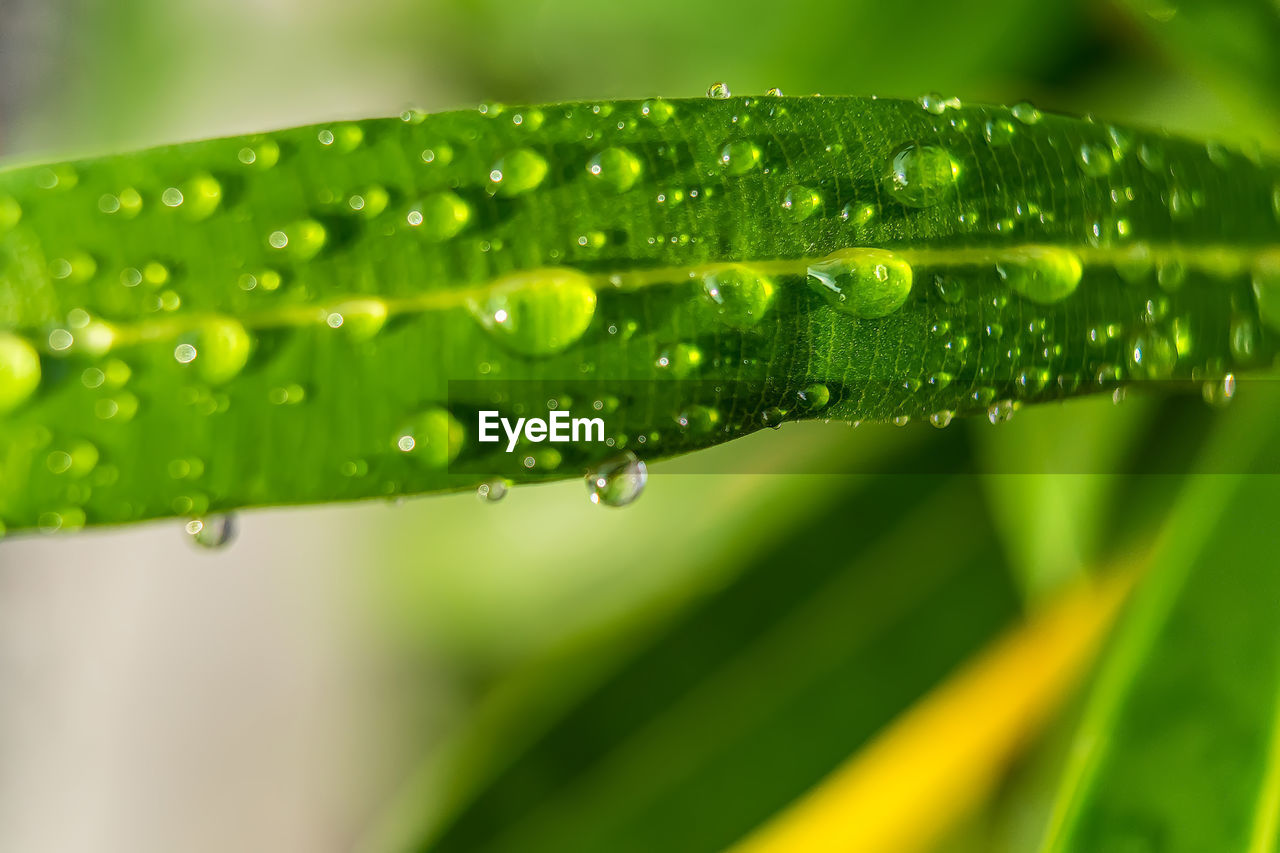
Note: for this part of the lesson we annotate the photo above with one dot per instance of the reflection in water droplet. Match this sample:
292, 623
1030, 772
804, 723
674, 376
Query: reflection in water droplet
738, 295
537, 312
618, 481
1041, 274
866, 283
921, 175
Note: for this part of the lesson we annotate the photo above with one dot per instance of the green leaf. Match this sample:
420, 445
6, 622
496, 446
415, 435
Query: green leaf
1178, 746
737, 706
278, 318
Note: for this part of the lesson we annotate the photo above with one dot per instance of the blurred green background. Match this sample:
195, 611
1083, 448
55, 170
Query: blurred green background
306, 687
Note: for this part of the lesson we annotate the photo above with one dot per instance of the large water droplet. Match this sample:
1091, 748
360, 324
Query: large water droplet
719, 91
738, 294
617, 482
740, 157
921, 175
19, 371
866, 283
537, 312
616, 168
518, 172
1042, 274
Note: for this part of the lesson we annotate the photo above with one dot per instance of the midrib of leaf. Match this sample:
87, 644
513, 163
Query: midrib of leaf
1216, 259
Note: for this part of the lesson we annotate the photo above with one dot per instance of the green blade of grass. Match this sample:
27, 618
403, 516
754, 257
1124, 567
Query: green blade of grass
276, 319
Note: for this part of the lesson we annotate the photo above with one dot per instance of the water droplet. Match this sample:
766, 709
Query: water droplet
866, 283
203, 194
11, 213
999, 132
921, 175
1181, 205
1000, 411
19, 371
1026, 113
618, 481
439, 216
518, 172
950, 289
1219, 393
932, 102
342, 137
1171, 274
942, 419
774, 92
698, 419
302, 240
1042, 274
1243, 339
360, 319
681, 360
738, 295
616, 168
719, 91
1151, 156
1152, 356
492, 491
537, 312
900, 420
433, 438
814, 398
800, 202
1095, 159
213, 532
857, 213
657, 111
740, 157
1266, 289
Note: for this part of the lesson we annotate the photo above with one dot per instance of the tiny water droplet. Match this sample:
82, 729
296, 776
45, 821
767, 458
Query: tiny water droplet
492, 491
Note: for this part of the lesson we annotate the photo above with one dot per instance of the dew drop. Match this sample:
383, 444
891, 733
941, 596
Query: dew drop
1095, 160
814, 398
1041, 274
1000, 411
719, 91
1026, 113
681, 360
774, 92
1220, 392
537, 312
492, 491
302, 240
432, 438
737, 294
213, 532
999, 132
19, 371
440, 216
203, 194
616, 168
942, 418
618, 481
858, 213
219, 349
517, 173
698, 419
921, 175
657, 111
360, 319
800, 202
740, 157
11, 213
1152, 356
866, 283
1266, 289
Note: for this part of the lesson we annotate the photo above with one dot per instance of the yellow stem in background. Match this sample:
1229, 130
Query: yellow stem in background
939, 760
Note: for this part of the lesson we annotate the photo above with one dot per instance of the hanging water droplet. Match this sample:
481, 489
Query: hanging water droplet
19, 371
618, 481
921, 175
800, 202
517, 173
537, 312
942, 418
1041, 274
492, 491
213, 532
616, 168
737, 294
739, 157
866, 283
1220, 392
719, 91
